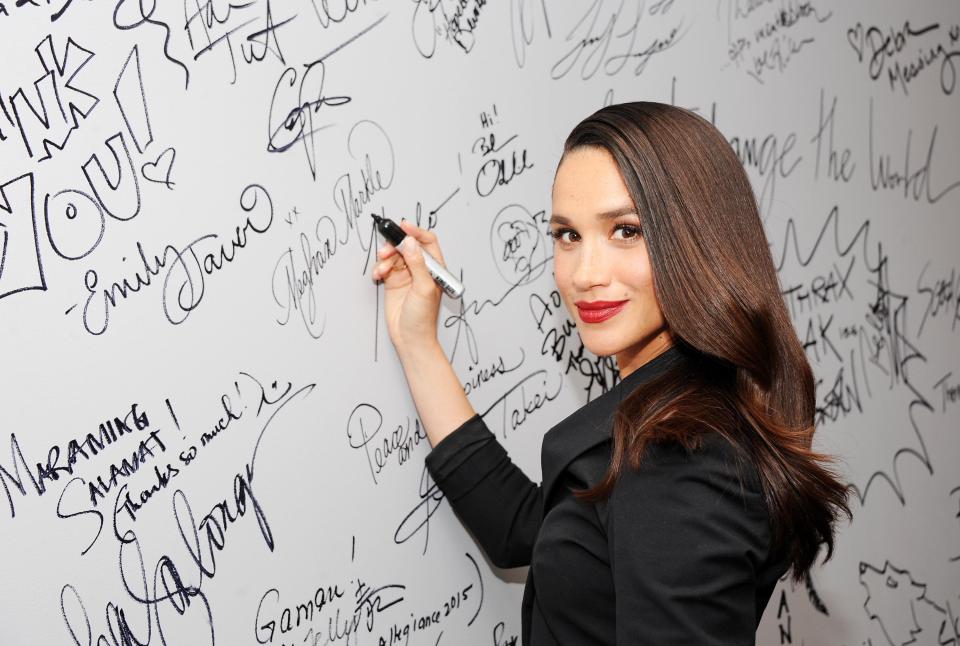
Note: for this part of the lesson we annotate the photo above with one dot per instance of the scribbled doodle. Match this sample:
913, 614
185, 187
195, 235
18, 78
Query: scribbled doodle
863, 352
330, 14
524, 28
208, 434
131, 14
46, 123
133, 105
496, 169
609, 46
895, 50
430, 20
184, 268
764, 43
75, 223
20, 265
229, 27
916, 183
518, 244
901, 607
117, 189
289, 125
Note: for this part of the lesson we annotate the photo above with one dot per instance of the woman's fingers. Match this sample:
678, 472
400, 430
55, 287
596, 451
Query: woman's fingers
413, 256
385, 267
391, 259
427, 239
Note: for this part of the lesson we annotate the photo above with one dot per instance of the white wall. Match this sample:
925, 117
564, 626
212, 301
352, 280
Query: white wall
146, 142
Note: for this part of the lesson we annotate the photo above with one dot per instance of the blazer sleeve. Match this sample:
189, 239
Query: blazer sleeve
686, 542
492, 496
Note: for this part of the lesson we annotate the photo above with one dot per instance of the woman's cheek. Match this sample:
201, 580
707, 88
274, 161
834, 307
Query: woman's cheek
562, 269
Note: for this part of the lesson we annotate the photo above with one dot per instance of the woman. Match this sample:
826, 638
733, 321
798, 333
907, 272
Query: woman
672, 504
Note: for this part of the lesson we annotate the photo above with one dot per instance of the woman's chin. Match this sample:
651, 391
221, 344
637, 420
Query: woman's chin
599, 347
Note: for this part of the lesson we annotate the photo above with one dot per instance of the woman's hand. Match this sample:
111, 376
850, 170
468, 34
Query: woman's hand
411, 297
411, 309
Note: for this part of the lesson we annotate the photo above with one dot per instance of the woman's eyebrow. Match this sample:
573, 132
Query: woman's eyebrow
629, 209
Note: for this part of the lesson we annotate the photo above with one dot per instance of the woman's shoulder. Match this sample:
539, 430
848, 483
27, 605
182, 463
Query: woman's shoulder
595, 414
707, 499
714, 472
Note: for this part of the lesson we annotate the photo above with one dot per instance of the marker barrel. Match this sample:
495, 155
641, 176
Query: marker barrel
446, 280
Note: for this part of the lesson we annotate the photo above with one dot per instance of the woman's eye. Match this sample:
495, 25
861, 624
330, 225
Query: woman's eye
629, 231
558, 234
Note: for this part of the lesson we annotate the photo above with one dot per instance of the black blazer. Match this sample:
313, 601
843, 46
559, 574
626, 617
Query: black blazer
679, 554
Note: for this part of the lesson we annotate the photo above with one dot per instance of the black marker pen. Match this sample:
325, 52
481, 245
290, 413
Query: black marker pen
389, 230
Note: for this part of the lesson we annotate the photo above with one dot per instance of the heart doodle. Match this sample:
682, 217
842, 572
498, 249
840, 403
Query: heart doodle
159, 171
855, 38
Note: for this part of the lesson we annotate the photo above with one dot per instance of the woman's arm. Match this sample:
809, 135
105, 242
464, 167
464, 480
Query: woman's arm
500, 505
411, 310
492, 496
436, 390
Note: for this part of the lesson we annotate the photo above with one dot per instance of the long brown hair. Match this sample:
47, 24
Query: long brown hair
743, 372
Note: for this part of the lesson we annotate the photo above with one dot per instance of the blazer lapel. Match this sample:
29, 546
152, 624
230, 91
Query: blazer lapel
587, 427
590, 425
568, 440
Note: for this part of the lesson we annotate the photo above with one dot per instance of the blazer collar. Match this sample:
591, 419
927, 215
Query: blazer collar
592, 423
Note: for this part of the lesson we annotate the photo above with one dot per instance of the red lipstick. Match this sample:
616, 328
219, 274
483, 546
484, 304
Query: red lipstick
597, 311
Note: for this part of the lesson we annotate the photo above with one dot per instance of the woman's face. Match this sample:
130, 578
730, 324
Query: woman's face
600, 261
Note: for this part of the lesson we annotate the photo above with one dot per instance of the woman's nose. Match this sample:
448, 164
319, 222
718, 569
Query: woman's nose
592, 268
